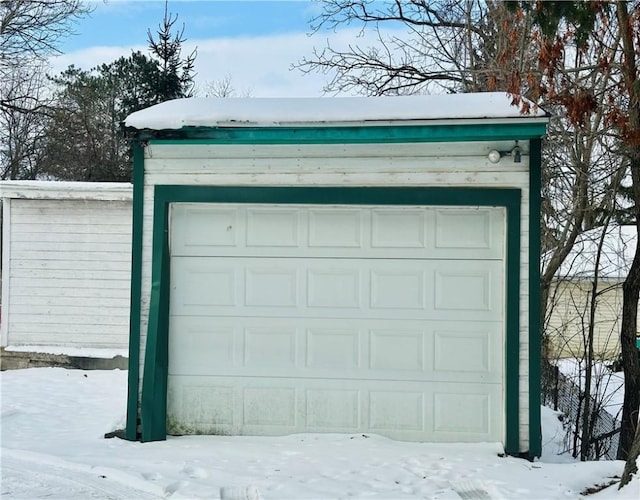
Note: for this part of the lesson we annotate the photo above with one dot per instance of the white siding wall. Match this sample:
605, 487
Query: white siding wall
66, 270
438, 165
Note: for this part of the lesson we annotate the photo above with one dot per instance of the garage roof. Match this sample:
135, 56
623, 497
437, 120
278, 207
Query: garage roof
270, 112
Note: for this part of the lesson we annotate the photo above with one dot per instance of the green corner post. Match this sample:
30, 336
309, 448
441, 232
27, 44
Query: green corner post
131, 431
535, 334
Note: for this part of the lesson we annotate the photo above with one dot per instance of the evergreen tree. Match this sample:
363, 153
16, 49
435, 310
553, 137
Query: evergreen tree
84, 139
176, 73
136, 80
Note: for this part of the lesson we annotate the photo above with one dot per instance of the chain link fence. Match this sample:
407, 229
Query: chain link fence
561, 393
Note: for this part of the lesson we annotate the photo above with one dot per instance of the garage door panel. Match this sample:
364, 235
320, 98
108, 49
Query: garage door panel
464, 351
202, 286
462, 228
397, 288
197, 228
203, 347
270, 406
331, 228
334, 288
273, 286
320, 348
413, 411
363, 288
397, 350
467, 287
201, 406
270, 347
267, 227
397, 410
394, 229
374, 232
333, 349
462, 411
337, 409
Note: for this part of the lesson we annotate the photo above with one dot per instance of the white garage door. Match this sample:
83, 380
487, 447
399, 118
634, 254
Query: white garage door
304, 318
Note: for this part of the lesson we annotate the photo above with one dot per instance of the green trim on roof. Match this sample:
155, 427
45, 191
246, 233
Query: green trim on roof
131, 431
154, 391
535, 336
349, 135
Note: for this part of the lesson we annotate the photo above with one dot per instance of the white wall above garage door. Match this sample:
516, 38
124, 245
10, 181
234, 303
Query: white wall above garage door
303, 318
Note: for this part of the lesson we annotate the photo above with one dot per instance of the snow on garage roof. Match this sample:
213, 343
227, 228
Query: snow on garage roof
212, 112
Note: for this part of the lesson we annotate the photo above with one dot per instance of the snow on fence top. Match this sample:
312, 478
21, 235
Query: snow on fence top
211, 112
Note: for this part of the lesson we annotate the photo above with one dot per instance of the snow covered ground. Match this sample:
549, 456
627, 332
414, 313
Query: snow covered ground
53, 421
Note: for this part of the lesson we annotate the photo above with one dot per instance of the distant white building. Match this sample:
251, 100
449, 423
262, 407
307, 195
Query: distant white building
568, 312
66, 261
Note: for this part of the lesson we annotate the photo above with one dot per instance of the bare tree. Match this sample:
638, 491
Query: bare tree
22, 125
33, 28
222, 88
582, 325
575, 28
30, 31
448, 45
590, 413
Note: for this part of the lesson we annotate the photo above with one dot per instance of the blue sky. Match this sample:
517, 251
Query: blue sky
127, 21
252, 43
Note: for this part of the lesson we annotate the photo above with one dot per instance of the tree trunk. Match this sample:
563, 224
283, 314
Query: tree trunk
590, 413
631, 286
630, 290
631, 466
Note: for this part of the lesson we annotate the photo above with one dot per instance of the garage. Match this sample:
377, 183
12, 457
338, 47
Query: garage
334, 274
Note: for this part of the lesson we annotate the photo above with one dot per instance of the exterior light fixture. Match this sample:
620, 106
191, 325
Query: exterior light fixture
494, 155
